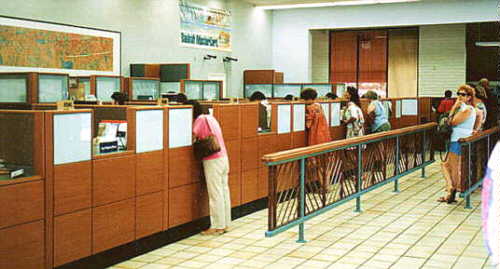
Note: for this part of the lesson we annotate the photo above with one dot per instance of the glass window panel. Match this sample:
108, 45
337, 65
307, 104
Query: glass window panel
211, 91
143, 87
149, 130
266, 89
409, 107
72, 137
322, 89
166, 87
180, 127
86, 85
282, 90
106, 86
284, 117
52, 88
193, 89
299, 117
13, 88
340, 89
335, 115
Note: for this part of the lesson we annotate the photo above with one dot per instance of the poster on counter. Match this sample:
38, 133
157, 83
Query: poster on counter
204, 27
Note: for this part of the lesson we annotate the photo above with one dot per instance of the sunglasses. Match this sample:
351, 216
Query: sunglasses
462, 94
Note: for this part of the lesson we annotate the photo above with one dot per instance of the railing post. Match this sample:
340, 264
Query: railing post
423, 154
360, 176
396, 183
469, 166
302, 199
271, 202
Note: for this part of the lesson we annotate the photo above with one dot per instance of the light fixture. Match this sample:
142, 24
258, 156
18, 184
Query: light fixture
209, 57
334, 4
488, 44
229, 59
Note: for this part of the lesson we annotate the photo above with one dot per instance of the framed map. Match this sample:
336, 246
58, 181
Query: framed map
35, 46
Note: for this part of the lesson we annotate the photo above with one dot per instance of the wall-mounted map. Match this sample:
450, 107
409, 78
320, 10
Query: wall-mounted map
27, 47
44, 47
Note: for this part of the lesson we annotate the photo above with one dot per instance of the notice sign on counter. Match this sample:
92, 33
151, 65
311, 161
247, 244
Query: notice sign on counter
203, 27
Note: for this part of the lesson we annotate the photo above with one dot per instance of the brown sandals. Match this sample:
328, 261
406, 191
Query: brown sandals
449, 199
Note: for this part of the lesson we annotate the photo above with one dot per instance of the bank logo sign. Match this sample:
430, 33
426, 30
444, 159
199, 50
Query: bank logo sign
204, 27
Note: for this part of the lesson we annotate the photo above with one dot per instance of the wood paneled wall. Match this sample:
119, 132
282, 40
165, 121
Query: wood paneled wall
403, 63
343, 57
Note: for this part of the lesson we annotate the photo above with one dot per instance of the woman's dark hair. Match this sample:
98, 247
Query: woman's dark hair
372, 95
353, 92
289, 97
181, 98
448, 94
257, 96
331, 95
197, 108
119, 97
308, 94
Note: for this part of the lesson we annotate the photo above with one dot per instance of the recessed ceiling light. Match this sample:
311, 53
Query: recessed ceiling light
334, 4
488, 44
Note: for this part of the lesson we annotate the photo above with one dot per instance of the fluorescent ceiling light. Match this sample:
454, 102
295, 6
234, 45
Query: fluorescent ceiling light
334, 4
488, 44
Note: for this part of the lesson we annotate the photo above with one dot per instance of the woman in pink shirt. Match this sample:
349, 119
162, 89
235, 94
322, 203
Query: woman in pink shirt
216, 168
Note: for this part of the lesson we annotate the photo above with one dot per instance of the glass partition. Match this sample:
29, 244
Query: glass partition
340, 89
86, 84
149, 130
282, 90
106, 86
322, 89
166, 87
13, 88
72, 137
193, 89
211, 90
52, 88
145, 89
266, 89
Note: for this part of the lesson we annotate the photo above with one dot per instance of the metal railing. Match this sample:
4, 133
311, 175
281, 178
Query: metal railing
476, 152
309, 181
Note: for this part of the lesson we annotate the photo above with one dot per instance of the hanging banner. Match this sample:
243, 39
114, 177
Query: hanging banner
203, 27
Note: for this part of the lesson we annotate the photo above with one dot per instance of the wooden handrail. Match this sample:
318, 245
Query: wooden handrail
298, 152
479, 135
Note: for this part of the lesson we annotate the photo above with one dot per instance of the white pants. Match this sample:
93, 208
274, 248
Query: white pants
216, 175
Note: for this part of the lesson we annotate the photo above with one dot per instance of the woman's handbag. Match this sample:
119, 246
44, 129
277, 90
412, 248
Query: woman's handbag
206, 146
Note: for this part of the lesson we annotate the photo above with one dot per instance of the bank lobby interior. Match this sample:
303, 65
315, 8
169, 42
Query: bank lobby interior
89, 183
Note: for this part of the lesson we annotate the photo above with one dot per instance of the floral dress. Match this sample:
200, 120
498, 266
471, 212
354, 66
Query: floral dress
355, 128
491, 206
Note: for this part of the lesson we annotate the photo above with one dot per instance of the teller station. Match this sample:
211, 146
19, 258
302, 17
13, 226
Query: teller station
82, 182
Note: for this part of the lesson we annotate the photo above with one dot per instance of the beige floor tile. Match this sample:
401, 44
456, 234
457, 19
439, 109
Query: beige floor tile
220, 252
147, 258
314, 264
468, 263
170, 261
194, 264
243, 255
407, 262
130, 265
156, 266
207, 258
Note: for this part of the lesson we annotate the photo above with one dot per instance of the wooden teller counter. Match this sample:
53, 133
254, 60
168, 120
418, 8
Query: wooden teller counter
99, 184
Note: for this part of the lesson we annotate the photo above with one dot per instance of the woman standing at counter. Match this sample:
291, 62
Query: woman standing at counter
317, 127
352, 116
216, 169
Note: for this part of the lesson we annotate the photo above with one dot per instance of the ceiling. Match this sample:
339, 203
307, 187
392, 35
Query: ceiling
292, 2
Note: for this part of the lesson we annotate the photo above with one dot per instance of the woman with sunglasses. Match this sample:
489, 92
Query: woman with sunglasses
462, 119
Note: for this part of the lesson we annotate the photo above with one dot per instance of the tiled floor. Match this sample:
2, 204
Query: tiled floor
405, 230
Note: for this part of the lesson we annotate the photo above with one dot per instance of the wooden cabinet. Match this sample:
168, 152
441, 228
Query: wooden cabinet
22, 246
72, 187
21, 203
72, 236
113, 179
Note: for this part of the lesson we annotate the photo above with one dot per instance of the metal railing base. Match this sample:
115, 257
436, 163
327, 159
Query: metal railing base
341, 202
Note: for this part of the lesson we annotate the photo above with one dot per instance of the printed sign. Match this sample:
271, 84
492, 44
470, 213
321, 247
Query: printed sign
204, 27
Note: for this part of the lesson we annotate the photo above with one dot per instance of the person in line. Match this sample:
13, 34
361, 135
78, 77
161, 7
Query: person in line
317, 127
462, 119
331, 96
288, 97
352, 116
490, 207
119, 98
216, 169
490, 102
181, 98
478, 101
447, 103
377, 112
264, 110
